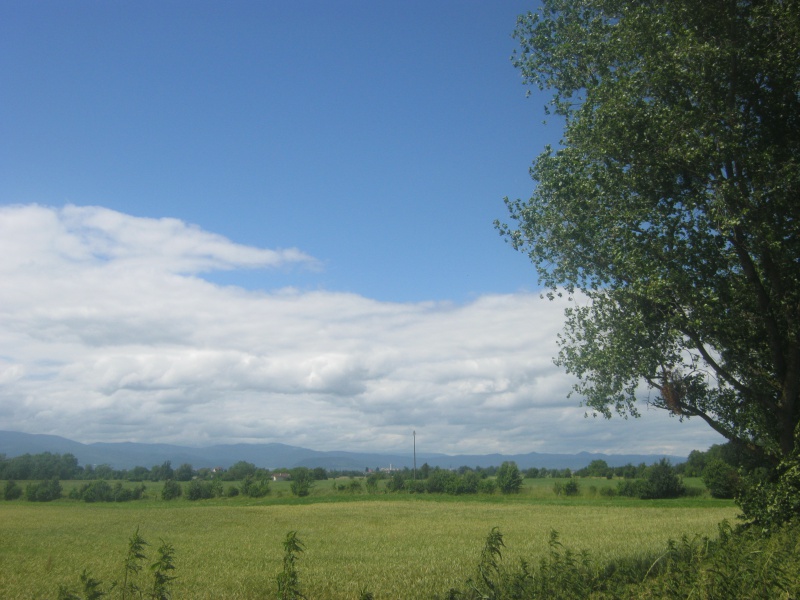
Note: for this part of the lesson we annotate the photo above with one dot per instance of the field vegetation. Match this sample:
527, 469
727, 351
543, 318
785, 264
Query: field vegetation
398, 545
469, 533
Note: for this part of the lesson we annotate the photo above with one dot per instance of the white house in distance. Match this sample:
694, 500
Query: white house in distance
280, 476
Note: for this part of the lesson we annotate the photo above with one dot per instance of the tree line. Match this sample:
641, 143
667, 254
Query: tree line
47, 465
723, 469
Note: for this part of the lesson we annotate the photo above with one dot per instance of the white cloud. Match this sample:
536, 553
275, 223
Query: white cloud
107, 334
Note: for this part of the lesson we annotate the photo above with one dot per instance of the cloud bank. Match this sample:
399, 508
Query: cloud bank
108, 332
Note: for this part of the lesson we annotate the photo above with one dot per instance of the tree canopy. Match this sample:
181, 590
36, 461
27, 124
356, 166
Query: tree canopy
670, 212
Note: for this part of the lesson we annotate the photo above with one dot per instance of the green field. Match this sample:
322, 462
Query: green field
395, 545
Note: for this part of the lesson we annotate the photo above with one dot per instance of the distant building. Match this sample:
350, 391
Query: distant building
280, 476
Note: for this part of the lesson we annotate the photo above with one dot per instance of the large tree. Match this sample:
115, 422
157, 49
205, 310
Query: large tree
671, 209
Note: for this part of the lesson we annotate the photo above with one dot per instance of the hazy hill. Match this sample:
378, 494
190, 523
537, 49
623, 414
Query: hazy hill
126, 455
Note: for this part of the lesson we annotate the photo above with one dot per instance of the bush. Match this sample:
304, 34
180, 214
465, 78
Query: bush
199, 490
396, 482
97, 491
302, 481
509, 479
415, 486
721, 479
662, 481
487, 486
101, 491
571, 488
372, 482
631, 488
172, 489
45, 491
255, 488
12, 491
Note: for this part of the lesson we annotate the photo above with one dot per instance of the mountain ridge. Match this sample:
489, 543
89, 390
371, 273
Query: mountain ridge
126, 455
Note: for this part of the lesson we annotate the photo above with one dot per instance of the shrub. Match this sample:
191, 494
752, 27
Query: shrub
302, 482
631, 488
571, 488
372, 482
487, 486
46, 491
396, 482
97, 491
172, 489
437, 481
721, 479
662, 481
415, 486
509, 479
255, 488
199, 490
12, 491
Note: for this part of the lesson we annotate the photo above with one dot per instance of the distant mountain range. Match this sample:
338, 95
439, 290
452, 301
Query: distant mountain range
126, 455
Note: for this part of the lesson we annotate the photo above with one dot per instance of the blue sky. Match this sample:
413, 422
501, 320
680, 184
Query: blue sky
378, 136
272, 221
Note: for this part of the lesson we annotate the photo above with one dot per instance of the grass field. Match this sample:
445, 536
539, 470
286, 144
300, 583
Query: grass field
397, 546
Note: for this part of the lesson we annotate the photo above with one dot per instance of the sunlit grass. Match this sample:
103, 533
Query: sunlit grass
399, 547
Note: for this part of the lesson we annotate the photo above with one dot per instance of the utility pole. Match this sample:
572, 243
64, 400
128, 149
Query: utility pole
415, 454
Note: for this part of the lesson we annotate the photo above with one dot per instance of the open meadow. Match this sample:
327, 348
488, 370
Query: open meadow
394, 545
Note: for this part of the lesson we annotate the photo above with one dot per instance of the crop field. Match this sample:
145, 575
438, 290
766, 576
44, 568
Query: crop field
394, 545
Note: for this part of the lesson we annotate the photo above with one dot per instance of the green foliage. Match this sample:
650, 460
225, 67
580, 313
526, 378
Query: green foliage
45, 491
101, 491
91, 589
129, 587
489, 566
240, 470
171, 490
741, 564
12, 491
509, 479
255, 488
302, 481
721, 479
40, 466
661, 482
200, 490
287, 579
487, 486
162, 570
437, 481
396, 482
671, 206
372, 482
571, 487
132, 565
596, 468
184, 473
96, 491
772, 498
164, 472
